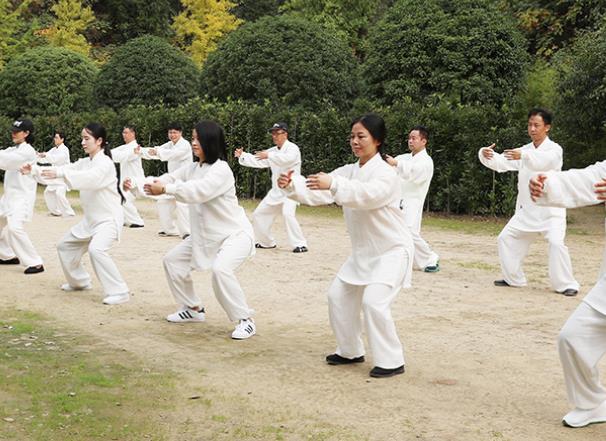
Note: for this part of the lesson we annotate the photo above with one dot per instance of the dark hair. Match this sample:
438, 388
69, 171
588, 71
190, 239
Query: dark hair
375, 126
212, 141
61, 134
543, 113
423, 131
175, 126
131, 128
97, 131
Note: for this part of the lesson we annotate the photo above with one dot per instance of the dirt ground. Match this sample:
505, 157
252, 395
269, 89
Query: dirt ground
481, 361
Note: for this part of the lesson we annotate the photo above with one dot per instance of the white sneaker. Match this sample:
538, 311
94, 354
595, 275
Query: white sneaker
584, 417
68, 287
116, 299
186, 315
244, 329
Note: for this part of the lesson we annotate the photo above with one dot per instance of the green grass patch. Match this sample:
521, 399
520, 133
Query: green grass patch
55, 384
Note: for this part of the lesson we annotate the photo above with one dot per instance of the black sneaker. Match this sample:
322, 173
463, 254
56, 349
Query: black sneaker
13, 261
258, 245
300, 250
570, 292
185, 236
379, 372
501, 283
336, 359
135, 226
34, 269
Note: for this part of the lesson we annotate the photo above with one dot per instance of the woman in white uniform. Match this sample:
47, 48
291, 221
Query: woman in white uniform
221, 235
382, 250
101, 199
17, 203
54, 195
582, 340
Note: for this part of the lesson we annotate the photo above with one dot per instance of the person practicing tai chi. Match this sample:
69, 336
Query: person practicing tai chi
128, 155
284, 156
177, 153
582, 340
381, 260
221, 235
541, 155
54, 195
416, 170
101, 199
17, 203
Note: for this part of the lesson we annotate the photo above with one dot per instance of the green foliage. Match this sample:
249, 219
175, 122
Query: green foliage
72, 21
47, 81
251, 10
147, 70
465, 52
18, 32
284, 59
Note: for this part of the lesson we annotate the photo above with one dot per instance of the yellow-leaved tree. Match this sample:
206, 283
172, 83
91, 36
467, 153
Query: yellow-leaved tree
201, 24
73, 18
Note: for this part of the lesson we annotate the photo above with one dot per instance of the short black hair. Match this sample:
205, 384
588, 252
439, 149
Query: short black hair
423, 131
61, 134
211, 138
131, 128
175, 126
543, 113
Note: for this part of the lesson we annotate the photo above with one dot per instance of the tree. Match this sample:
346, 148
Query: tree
73, 19
284, 59
201, 24
463, 52
10, 25
147, 70
251, 10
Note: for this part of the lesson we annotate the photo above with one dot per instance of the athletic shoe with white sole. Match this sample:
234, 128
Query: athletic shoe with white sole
116, 299
68, 287
584, 417
186, 315
244, 329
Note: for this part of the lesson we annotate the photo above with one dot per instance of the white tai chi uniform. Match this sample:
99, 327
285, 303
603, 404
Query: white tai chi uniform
101, 227
130, 167
54, 195
17, 205
582, 340
176, 155
380, 263
280, 160
530, 219
416, 172
221, 236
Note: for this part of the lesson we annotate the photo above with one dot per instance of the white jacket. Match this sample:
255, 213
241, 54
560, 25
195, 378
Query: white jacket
19, 190
280, 160
214, 213
380, 239
175, 154
415, 173
546, 157
130, 163
57, 156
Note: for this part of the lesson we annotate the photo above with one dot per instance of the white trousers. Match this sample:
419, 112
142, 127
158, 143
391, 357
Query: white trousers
169, 211
71, 250
57, 202
345, 302
423, 254
234, 251
581, 344
131, 215
14, 242
263, 218
513, 248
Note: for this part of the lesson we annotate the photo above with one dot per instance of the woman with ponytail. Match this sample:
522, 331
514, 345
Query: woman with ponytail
101, 199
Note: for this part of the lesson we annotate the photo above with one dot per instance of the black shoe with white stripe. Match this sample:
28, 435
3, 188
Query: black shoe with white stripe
186, 315
244, 329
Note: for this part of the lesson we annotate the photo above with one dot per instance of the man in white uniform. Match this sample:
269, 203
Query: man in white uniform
54, 195
541, 155
281, 158
128, 156
582, 340
416, 170
177, 153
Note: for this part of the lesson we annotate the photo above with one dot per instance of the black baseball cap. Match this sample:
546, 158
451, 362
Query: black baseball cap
23, 125
279, 126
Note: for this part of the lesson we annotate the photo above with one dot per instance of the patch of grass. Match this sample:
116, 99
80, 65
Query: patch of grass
476, 265
465, 224
53, 387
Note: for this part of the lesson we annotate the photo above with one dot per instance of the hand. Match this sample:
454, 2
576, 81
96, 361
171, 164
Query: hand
41, 155
238, 152
285, 179
127, 185
49, 173
25, 169
155, 188
262, 154
488, 152
152, 152
391, 161
536, 186
319, 181
600, 189
137, 150
513, 154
